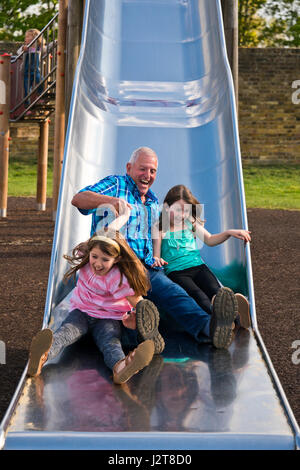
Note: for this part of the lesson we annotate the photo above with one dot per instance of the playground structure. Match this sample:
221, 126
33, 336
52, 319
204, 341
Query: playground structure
60, 38
124, 97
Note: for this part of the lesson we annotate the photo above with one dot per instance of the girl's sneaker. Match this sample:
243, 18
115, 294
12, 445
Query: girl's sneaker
39, 349
224, 312
135, 361
147, 321
244, 312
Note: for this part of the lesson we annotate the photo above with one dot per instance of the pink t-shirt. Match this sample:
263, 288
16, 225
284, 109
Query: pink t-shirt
96, 406
101, 296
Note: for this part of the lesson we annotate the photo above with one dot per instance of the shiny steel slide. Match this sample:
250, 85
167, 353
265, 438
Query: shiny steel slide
155, 73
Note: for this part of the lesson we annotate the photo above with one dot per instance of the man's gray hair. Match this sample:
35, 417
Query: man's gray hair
135, 155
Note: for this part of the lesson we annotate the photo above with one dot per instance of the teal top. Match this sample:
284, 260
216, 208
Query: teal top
180, 250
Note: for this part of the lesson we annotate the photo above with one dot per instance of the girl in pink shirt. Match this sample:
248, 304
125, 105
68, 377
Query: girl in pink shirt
111, 281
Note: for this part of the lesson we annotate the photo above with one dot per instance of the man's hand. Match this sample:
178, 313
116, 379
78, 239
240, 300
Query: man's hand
122, 207
122, 214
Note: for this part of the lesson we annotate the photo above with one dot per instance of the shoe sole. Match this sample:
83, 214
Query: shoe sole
225, 310
243, 309
40, 345
142, 357
147, 321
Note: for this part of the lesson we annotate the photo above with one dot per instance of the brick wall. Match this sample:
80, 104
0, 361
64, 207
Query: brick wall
9, 47
269, 122
25, 138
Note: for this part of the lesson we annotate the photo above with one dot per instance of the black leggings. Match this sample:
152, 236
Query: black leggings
199, 282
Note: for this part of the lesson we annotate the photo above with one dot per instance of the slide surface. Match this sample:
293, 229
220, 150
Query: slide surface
155, 73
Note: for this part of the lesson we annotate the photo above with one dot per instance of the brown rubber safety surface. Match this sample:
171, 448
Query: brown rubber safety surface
25, 250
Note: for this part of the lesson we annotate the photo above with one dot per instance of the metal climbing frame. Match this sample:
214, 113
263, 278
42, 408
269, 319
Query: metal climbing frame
40, 78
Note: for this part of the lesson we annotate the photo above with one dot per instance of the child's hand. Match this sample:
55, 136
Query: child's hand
241, 234
159, 262
129, 320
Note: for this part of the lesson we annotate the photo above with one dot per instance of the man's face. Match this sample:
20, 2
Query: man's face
143, 171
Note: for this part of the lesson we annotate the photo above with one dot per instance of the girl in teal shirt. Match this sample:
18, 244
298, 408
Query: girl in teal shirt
176, 249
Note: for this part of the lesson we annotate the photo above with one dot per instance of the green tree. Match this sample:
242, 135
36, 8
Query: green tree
274, 23
16, 16
283, 27
251, 24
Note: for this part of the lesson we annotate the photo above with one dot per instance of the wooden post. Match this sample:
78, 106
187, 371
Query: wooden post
4, 130
59, 129
230, 18
75, 19
41, 192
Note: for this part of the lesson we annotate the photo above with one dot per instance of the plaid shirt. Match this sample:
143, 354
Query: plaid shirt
139, 228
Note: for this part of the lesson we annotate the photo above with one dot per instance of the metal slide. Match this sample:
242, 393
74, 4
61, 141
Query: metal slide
155, 73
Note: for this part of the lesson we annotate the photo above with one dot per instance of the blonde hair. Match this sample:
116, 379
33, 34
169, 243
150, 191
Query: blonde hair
35, 33
129, 265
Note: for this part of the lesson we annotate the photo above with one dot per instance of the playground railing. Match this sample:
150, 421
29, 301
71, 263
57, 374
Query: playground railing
33, 73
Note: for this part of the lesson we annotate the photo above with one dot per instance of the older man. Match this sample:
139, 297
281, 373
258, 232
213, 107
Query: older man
133, 191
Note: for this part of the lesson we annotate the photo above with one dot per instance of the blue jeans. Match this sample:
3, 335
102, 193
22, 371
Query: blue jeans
106, 334
32, 74
181, 309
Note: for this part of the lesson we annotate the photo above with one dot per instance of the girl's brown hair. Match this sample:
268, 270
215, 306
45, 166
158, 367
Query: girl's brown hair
175, 194
128, 264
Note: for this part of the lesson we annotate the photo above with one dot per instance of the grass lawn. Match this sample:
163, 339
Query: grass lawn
270, 187
22, 178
